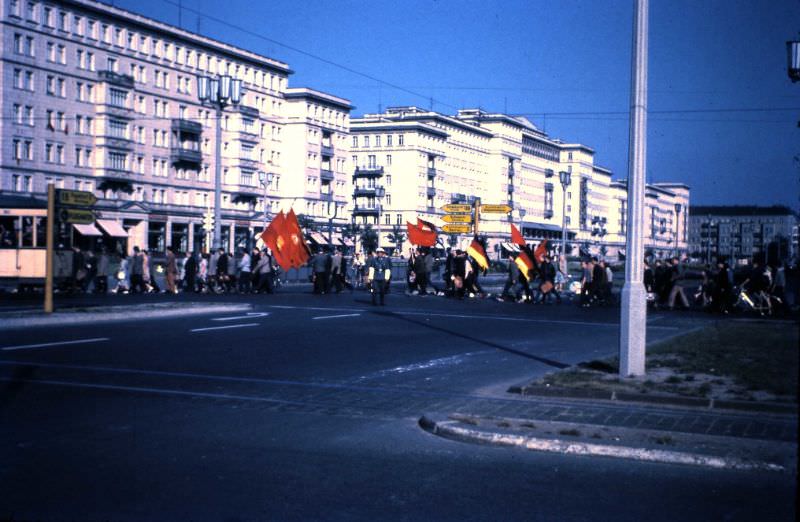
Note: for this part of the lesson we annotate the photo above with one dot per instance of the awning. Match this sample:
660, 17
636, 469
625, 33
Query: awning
317, 238
347, 242
510, 247
542, 226
87, 229
112, 228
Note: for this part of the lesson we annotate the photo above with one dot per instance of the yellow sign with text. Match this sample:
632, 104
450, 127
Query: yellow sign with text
457, 229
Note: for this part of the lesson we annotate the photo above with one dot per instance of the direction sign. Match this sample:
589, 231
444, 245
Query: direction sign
77, 216
457, 229
496, 209
76, 198
457, 207
457, 218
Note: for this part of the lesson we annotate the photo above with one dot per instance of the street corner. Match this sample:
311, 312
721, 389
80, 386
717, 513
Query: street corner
590, 440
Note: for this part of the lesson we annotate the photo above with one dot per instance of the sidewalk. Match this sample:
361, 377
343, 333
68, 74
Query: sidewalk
677, 435
95, 314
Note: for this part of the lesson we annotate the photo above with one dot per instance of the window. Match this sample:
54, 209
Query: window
389, 140
13, 7
111, 64
118, 128
62, 20
388, 159
355, 141
118, 98
371, 161
366, 141
584, 204
31, 12
377, 141
548, 200
117, 160
400, 140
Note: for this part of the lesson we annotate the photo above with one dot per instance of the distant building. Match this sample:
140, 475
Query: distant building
740, 233
410, 162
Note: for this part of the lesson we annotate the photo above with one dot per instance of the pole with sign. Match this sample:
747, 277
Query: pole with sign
51, 223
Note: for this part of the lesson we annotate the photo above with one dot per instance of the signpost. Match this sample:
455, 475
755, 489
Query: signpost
76, 216
76, 198
457, 208
457, 229
64, 206
496, 209
457, 218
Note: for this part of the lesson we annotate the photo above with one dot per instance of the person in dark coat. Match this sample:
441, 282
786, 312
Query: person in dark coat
320, 266
190, 272
459, 273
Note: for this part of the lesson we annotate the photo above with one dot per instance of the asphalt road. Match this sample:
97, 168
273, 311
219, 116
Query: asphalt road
306, 409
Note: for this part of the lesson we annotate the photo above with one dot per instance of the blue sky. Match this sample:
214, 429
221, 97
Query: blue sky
717, 73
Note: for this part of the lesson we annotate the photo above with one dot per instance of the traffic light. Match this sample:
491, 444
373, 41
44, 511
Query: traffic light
208, 221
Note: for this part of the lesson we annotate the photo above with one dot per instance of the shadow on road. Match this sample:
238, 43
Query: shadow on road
543, 360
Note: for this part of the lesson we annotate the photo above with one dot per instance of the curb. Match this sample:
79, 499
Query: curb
448, 430
711, 404
75, 318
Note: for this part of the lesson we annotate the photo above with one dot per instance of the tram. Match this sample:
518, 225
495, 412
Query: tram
23, 244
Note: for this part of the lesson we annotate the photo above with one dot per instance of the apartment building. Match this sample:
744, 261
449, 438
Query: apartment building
740, 233
100, 99
409, 162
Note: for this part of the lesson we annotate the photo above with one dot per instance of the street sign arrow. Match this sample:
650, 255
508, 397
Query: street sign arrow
457, 207
496, 209
457, 229
77, 216
457, 218
76, 198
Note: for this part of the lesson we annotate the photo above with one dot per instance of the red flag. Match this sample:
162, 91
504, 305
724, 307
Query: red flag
298, 249
540, 252
418, 235
476, 252
516, 236
274, 238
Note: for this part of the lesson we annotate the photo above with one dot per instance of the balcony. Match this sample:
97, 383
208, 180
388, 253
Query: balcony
121, 80
511, 172
360, 210
431, 192
187, 126
246, 192
185, 155
548, 214
112, 174
326, 175
246, 110
432, 173
365, 192
326, 196
548, 173
327, 150
368, 172
510, 188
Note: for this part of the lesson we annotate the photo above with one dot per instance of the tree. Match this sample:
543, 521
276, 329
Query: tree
369, 239
397, 237
306, 223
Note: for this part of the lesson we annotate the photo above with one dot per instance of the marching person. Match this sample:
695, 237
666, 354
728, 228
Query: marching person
244, 272
378, 275
172, 271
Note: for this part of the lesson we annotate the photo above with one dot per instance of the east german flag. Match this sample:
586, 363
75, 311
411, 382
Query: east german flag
525, 263
299, 253
421, 234
539, 253
478, 253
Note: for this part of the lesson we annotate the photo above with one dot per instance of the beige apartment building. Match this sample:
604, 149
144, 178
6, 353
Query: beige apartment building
100, 99
409, 162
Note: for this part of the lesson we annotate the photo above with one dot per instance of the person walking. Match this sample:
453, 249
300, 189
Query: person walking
264, 272
677, 275
244, 272
137, 272
420, 272
319, 266
586, 283
512, 286
101, 278
202, 274
190, 272
172, 271
336, 270
378, 276
548, 277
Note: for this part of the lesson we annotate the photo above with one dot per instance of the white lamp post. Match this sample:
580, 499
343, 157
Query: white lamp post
793, 55
566, 178
266, 180
218, 93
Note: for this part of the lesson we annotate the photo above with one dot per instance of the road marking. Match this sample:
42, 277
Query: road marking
223, 327
250, 315
323, 309
59, 343
522, 319
335, 316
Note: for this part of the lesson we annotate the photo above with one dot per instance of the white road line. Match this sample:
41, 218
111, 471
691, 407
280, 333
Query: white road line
324, 309
335, 316
224, 327
523, 319
59, 343
250, 315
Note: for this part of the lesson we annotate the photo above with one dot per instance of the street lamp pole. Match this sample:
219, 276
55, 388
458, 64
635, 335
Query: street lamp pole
678, 209
633, 320
566, 178
266, 180
218, 92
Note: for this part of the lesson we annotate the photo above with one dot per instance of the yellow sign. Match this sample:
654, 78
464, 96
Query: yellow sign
457, 207
457, 218
457, 229
77, 216
496, 209
77, 198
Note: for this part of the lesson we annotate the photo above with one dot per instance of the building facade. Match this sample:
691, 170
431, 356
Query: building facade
409, 162
100, 99
740, 233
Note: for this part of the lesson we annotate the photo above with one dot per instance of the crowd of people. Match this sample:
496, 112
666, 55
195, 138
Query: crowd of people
456, 276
